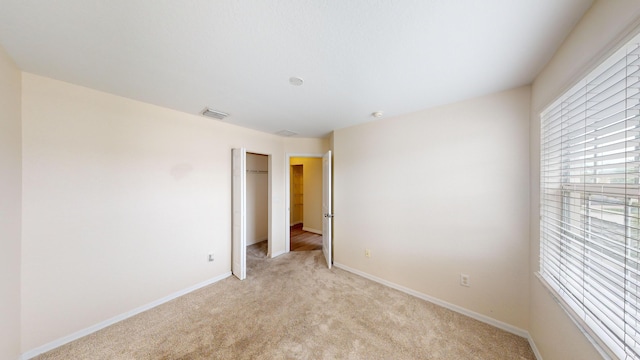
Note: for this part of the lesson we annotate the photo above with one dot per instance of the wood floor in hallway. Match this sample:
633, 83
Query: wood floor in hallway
304, 240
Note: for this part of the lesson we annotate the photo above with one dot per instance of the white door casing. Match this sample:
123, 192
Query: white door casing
239, 213
327, 218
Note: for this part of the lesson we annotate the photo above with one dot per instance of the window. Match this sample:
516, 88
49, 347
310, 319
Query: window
590, 193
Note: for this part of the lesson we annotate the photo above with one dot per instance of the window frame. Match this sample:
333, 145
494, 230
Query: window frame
563, 295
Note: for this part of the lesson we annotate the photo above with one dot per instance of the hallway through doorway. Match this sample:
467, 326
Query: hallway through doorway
302, 240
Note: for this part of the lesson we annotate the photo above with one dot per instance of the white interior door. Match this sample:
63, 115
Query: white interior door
326, 207
239, 213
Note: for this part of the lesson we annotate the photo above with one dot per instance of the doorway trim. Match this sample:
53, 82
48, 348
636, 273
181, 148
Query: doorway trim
287, 193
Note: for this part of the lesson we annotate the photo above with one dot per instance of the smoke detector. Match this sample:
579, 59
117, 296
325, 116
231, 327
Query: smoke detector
214, 114
296, 81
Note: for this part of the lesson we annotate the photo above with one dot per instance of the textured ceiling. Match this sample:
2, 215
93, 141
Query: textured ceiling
356, 56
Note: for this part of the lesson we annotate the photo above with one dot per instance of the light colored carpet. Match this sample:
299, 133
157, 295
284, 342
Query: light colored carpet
293, 307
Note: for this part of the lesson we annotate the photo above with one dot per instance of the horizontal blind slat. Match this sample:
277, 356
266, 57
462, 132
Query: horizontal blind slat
590, 200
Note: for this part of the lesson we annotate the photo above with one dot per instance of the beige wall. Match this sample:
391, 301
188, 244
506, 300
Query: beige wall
312, 188
597, 34
10, 207
122, 203
437, 193
306, 146
257, 198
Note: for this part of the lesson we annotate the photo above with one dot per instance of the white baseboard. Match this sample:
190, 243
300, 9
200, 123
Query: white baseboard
101, 325
315, 231
276, 254
474, 315
532, 343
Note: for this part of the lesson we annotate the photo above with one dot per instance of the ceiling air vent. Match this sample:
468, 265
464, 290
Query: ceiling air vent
214, 114
286, 133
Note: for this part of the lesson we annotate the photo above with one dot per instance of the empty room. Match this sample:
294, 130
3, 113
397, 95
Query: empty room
466, 175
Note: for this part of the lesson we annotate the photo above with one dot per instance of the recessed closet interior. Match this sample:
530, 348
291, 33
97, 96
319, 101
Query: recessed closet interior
257, 198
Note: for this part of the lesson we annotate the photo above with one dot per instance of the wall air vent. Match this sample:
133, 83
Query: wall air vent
214, 114
286, 133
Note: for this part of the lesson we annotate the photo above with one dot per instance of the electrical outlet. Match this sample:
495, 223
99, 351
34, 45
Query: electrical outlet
465, 280
211, 257
367, 253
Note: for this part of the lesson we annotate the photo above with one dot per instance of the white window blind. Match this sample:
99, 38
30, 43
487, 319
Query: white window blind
590, 192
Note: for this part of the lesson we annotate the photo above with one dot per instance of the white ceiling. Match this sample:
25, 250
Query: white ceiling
356, 56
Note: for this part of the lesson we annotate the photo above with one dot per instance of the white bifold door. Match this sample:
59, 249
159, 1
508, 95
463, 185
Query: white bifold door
326, 207
239, 213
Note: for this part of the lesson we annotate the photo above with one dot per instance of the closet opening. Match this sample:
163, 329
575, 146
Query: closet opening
251, 220
257, 203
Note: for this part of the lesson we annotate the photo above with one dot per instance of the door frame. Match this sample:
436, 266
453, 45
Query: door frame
287, 193
327, 210
238, 213
242, 242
